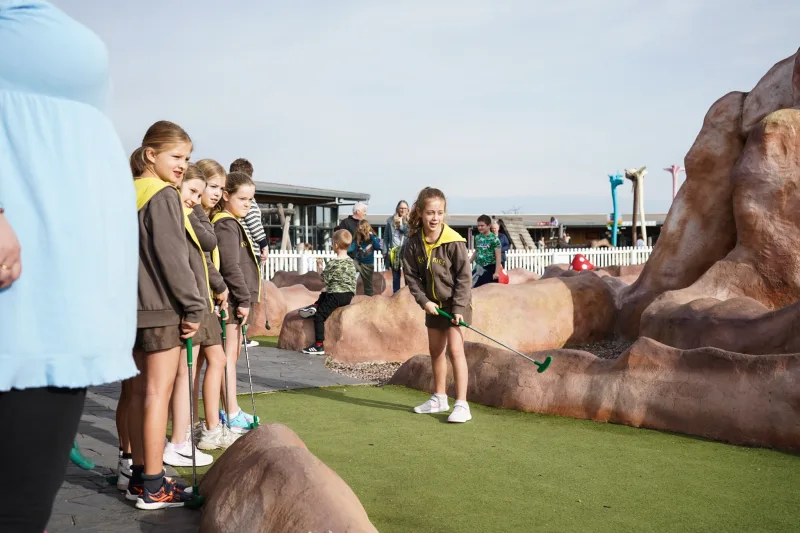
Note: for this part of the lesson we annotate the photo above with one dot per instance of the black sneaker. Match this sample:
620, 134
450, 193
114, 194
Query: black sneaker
315, 349
308, 312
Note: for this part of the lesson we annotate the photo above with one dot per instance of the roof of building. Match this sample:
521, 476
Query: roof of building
313, 193
532, 220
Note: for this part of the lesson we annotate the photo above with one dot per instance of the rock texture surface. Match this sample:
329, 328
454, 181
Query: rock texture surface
268, 482
752, 400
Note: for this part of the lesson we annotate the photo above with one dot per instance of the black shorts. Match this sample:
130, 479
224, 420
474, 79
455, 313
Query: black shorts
487, 276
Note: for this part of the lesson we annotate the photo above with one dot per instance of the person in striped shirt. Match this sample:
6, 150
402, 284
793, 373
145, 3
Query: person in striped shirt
252, 222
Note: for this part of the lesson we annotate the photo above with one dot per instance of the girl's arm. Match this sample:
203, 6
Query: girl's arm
411, 271
171, 250
462, 288
203, 228
215, 278
229, 242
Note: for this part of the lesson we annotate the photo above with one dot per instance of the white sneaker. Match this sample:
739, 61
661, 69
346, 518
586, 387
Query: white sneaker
308, 312
124, 473
181, 455
251, 344
434, 405
218, 438
460, 413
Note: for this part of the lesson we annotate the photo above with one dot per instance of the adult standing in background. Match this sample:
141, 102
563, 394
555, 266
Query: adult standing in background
68, 249
505, 245
252, 222
351, 222
394, 242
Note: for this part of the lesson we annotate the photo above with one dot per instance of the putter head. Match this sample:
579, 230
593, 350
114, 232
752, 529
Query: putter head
197, 500
545, 364
256, 422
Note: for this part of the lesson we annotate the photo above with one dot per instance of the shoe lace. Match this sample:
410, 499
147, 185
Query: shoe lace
459, 407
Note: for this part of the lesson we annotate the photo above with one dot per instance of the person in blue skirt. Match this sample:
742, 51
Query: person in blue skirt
68, 249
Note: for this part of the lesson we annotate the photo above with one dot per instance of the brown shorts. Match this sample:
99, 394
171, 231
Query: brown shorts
210, 331
440, 322
158, 339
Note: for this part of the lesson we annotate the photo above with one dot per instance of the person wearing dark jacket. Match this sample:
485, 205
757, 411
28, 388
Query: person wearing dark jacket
437, 270
362, 250
505, 245
351, 222
239, 267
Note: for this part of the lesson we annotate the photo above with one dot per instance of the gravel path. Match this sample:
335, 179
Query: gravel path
603, 349
378, 373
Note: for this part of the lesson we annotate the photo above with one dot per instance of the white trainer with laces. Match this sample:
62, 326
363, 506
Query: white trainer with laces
308, 312
123, 473
218, 438
460, 413
436, 404
181, 455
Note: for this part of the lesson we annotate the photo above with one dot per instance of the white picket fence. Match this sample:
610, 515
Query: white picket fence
533, 260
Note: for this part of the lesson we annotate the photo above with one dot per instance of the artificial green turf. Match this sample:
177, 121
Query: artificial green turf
509, 471
266, 341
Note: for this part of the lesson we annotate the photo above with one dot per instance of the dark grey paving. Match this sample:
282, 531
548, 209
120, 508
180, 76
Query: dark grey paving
86, 502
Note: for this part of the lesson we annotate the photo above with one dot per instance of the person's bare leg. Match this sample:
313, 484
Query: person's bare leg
162, 367
437, 340
123, 407
213, 383
136, 409
455, 350
198, 370
233, 345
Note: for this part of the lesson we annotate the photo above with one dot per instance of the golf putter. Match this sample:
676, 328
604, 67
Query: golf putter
255, 422
197, 500
226, 403
542, 366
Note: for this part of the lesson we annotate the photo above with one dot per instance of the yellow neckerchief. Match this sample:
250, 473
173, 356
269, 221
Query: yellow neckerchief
215, 254
146, 188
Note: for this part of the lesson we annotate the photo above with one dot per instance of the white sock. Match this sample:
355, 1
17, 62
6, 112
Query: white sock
462, 403
441, 397
231, 416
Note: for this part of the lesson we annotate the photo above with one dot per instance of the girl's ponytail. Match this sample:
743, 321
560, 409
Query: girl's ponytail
138, 162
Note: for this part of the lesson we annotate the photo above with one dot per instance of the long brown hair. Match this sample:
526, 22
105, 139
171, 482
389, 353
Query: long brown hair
159, 137
415, 213
363, 232
233, 183
193, 172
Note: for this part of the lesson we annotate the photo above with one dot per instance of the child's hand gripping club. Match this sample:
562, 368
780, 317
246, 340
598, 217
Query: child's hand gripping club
458, 319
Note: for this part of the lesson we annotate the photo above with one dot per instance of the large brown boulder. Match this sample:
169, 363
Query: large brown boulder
724, 202
268, 482
310, 280
528, 316
742, 399
272, 308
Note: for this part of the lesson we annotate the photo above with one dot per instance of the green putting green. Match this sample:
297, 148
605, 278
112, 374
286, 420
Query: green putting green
512, 471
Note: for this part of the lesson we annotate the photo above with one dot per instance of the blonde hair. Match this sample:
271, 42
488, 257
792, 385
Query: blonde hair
233, 183
193, 172
363, 232
159, 137
212, 169
342, 239
415, 214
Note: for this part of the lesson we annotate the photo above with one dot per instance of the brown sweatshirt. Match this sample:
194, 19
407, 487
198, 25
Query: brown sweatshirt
208, 240
167, 288
443, 277
237, 263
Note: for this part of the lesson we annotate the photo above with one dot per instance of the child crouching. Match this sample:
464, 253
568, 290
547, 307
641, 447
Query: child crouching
340, 287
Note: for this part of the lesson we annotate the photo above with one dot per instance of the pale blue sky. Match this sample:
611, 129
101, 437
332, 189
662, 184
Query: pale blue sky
501, 103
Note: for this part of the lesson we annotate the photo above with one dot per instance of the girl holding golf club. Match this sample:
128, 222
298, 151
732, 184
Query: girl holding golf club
239, 268
214, 435
437, 270
178, 451
170, 308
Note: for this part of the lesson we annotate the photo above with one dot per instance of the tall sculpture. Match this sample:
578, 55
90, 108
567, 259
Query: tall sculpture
675, 170
637, 178
616, 180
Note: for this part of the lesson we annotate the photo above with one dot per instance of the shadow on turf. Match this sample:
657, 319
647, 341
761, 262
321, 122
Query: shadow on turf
340, 397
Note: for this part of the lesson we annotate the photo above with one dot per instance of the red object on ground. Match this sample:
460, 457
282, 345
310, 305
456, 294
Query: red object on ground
579, 262
502, 276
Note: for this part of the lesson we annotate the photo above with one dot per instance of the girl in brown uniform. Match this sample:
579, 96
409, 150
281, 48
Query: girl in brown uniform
239, 268
170, 308
437, 270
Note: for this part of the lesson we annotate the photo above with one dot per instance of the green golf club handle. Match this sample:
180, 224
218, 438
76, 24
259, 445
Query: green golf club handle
189, 352
450, 317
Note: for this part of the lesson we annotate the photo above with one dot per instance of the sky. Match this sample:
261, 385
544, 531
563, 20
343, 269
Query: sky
505, 105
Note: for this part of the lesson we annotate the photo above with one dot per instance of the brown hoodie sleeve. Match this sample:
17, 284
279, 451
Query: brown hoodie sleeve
214, 277
229, 242
203, 229
411, 271
462, 288
170, 247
